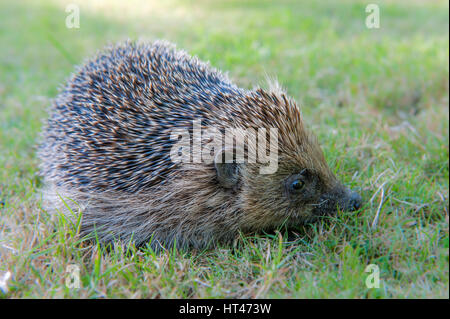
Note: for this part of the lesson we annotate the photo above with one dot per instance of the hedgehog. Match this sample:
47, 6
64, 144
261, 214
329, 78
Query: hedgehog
121, 147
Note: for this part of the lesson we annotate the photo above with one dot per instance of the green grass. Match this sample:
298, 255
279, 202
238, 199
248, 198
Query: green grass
376, 98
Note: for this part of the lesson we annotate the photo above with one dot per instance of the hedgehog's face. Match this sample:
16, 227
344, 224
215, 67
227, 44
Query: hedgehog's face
310, 193
295, 195
302, 189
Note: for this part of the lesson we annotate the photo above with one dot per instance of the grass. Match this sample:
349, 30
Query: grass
376, 98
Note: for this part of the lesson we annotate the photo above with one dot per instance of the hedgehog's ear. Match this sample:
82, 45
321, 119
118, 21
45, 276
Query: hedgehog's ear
227, 173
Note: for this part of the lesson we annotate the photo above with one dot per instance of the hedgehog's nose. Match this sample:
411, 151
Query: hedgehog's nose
354, 201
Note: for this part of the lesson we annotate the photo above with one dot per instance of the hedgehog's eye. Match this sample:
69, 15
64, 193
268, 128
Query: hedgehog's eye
297, 185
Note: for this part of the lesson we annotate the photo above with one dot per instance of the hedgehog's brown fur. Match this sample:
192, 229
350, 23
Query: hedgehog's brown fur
106, 147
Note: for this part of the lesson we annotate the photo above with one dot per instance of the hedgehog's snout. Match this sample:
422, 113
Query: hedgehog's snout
339, 199
349, 200
354, 201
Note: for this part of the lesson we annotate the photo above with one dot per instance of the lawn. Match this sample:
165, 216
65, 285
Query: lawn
378, 99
